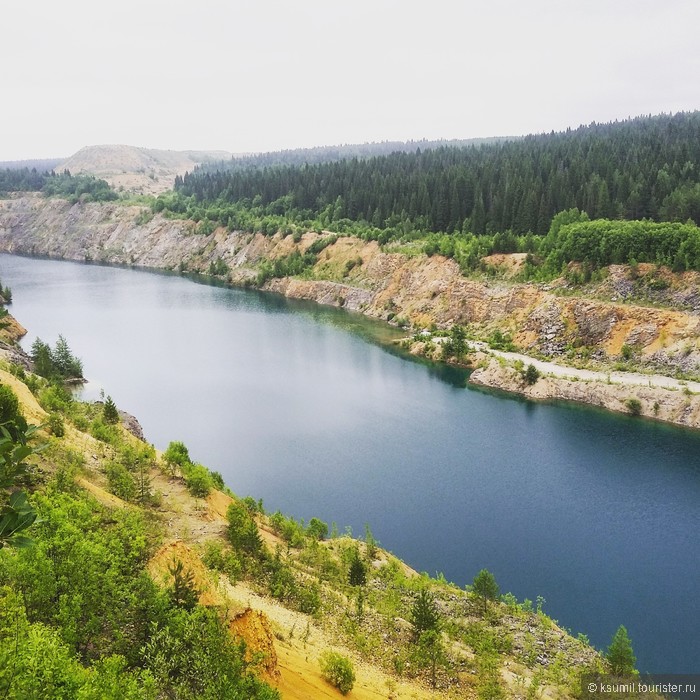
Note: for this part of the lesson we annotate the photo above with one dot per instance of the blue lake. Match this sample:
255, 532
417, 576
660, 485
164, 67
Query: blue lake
310, 410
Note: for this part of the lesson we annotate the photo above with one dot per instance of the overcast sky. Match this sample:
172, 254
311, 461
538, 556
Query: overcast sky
259, 75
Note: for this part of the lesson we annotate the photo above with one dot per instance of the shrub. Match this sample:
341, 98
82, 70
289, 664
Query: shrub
317, 529
308, 599
531, 375
634, 406
121, 482
102, 432
242, 530
198, 480
338, 671
56, 425
55, 398
9, 404
176, 455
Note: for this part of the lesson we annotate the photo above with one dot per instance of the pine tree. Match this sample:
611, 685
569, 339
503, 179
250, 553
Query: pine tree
358, 571
620, 655
425, 615
485, 586
110, 412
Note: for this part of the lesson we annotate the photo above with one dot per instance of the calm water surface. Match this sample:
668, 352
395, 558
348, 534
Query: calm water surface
597, 513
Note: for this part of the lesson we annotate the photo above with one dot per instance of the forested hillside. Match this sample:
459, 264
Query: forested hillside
648, 167
328, 154
64, 184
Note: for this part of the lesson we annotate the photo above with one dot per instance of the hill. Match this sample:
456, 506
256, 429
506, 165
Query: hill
146, 572
139, 170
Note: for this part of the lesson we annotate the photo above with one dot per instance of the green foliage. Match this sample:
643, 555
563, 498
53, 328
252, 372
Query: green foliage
531, 375
288, 529
429, 652
9, 407
80, 617
218, 268
317, 529
620, 655
198, 480
357, 575
85, 188
92, 562
183, 593
16, 514
455, 345
370, 543
634, 169
634, 406
290, 265
55, 398
103, 432
110, 414
56, 425
120, 480
55, 363
222, 559
176, 455
501, 341
242, 531
337, 670
604, 242
485, 586
425, 615
191, 656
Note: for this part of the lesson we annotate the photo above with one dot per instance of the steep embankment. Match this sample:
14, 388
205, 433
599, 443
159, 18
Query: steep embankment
255, 594
542, 320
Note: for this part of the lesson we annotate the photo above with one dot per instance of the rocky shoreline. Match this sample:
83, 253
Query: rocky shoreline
414, 290
654, 402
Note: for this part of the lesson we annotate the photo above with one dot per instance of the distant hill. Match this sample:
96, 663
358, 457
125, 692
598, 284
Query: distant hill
140, 170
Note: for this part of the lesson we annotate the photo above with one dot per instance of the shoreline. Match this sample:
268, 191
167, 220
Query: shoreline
385, 286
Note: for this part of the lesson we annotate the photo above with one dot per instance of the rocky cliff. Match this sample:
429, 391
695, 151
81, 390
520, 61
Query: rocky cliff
406, 286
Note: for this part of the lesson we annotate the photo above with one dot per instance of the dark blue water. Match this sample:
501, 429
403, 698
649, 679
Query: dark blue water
597, 513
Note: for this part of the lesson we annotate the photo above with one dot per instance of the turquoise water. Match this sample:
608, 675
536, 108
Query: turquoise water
306, 408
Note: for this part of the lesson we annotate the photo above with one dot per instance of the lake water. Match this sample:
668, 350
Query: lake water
306, 408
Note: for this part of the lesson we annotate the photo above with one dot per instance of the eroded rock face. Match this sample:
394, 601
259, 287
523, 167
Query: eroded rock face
360, 276
254, 628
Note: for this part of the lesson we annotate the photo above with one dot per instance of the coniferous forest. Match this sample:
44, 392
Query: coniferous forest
648, 167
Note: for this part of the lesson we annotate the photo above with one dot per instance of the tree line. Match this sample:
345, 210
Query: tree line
647, 167
72, 187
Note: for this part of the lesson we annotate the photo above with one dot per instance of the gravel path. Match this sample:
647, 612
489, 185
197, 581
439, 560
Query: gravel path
630, 378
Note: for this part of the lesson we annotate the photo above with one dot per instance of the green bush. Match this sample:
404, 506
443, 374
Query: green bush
531, 375
338, 671
102, 432
56, 425
634, 406
121, 482
242, 530
198, 480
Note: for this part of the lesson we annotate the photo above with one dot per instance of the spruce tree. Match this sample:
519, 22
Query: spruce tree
110, 412
620, 655
425, 615
358, 571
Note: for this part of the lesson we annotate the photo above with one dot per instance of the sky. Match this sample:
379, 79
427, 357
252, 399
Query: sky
260, 75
